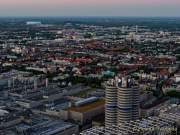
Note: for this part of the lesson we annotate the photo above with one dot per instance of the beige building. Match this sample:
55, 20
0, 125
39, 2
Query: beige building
84, 114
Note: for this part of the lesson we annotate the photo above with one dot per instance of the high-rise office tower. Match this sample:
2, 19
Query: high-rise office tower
128, 100
111, 103
122, 101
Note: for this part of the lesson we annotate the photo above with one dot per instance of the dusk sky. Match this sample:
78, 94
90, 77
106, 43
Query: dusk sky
89, 7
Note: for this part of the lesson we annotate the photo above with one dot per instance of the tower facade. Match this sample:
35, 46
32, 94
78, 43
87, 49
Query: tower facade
111, 103
128, 100
122, 101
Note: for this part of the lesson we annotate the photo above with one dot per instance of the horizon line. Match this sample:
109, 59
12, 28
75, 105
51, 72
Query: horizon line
88, 16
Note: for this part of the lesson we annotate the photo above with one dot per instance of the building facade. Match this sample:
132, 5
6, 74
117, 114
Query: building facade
122, 101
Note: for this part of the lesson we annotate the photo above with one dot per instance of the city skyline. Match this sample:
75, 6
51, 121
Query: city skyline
89, 67
90, 8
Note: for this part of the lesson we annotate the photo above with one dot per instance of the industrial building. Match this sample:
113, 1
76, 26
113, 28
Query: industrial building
164, 124
41, 125
86, 110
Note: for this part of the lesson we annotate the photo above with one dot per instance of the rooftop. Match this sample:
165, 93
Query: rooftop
87, 107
